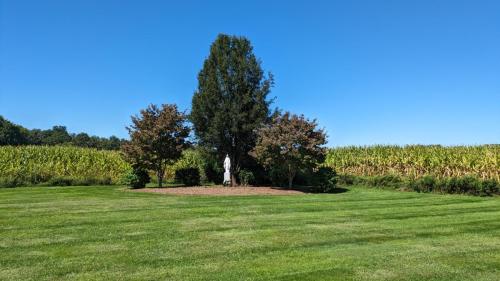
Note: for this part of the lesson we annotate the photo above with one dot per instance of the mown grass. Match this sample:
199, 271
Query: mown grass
104, 233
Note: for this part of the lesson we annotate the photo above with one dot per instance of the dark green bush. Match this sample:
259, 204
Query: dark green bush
346, 179
489, 187
188, 176
246, 177
323, 180
452, 185
464, 185
424, 184
12, 182
385, 181
137, 178
455, 185
60, 181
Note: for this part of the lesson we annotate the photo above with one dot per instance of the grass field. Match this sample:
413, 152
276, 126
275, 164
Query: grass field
104, 233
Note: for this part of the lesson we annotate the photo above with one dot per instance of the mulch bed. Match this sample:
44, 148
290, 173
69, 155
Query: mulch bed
221, 191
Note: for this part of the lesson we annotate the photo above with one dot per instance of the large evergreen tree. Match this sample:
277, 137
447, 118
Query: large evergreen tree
231, 100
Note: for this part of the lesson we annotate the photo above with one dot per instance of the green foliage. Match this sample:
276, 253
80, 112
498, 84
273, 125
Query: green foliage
291, 143
451, 185
415, 161
489, 187
191, 158
393, 181
214, 171
345, 179
157, 138
31, 165
424, 184
188, 176
136, 178
11, 134
12, 181
231, 101
323, 180
67, 181
246, 177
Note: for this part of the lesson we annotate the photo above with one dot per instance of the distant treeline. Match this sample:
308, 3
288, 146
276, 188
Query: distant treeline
13, 134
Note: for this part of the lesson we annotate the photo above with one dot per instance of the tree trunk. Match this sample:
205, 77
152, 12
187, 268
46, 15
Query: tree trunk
233, 180
234, 168
160, 178
291, 175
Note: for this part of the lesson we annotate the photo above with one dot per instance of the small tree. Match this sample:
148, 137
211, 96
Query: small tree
290, 143
157, 138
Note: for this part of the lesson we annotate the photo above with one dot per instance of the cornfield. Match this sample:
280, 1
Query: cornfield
37, 164
415, 161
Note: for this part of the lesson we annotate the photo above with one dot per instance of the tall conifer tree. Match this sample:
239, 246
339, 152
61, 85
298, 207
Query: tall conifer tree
231, 101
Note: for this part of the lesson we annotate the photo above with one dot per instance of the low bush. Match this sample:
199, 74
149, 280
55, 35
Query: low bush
424, 184
246, 177
392, 181
489, 187
191, 158
68, 181
137, 178
452, 185
466, 185
188, 176
10, 181
323, 180
345, 179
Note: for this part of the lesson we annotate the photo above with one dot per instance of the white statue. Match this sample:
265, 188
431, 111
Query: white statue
227, 169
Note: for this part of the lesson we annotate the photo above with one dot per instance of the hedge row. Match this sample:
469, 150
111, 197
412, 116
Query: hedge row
451, 185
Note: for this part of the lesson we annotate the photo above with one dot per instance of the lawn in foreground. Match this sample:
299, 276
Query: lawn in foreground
90, 233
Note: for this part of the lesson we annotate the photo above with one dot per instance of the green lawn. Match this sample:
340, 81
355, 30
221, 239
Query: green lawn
91, 233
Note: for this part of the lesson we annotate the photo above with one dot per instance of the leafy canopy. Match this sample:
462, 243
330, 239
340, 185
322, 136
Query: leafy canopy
289, 144
157, 138
231, 100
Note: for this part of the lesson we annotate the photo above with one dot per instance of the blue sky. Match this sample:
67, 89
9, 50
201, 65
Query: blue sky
371, 72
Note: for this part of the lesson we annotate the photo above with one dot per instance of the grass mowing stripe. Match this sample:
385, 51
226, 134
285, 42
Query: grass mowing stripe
89, 233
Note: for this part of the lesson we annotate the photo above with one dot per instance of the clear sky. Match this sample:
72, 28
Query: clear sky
371, 72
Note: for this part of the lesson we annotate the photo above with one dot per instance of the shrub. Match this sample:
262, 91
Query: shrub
191, 158
136, 178
451, 185
12, 182
467, 184
489, 187
424, 184
246, 177
323, 180
346, 179
188, 176
60, 181
385, 181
